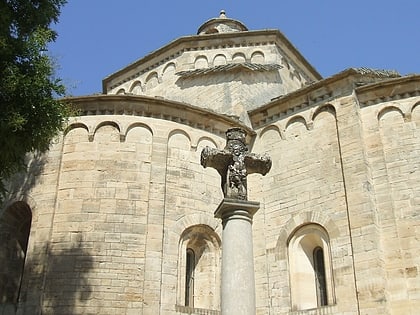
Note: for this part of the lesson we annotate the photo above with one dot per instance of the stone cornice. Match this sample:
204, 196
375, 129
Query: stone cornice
343, 83
209, 41
390, 90
144, 106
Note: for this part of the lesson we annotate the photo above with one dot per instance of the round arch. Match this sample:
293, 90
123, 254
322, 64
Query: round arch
297, 119
201, 62
389, 109
310, 267
324, 108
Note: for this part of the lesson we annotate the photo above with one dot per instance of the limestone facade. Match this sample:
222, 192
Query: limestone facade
118, 216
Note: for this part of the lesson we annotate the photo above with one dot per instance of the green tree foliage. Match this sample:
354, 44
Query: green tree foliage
30, 112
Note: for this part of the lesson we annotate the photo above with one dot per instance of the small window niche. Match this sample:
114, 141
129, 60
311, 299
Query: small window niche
311, 281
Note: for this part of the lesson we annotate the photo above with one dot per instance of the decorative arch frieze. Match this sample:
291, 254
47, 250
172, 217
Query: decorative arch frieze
136, 87
258, 57
414, 113
414, 106
75, 125
219, 59
205, 138
274, 128
324, 108
177, 131
179, 149
297, 119
239, 57
152, 80
173, 55
138, 124
151, 76
114, 124
168, 67
201, 62
389, 109
270, 128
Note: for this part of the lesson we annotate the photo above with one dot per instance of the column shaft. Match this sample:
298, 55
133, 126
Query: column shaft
238, 280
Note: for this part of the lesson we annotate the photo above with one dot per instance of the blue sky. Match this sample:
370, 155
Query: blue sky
99, 37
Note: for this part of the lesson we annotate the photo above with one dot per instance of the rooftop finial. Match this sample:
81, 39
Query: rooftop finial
221, 24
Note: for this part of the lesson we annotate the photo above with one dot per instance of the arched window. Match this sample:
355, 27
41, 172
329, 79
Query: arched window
199, 268
189, 278
311, 282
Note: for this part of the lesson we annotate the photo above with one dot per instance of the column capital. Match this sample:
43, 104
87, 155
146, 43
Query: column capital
230, 209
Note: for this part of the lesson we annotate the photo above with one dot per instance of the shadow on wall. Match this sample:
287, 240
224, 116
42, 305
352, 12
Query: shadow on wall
21, 183
67, 282
66, 288
15, 224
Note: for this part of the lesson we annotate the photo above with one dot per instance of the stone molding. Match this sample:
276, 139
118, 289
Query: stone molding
339, 85
208, 42
233, 209
401, 88
151, 107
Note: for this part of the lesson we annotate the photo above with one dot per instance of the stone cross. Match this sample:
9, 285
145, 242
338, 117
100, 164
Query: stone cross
234, 163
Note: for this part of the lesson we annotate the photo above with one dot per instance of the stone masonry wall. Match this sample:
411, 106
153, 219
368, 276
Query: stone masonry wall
391, 130
112, 235
305, 185
111, 212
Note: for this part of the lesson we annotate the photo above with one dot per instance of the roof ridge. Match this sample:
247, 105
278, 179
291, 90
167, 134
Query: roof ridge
377, 72
229, 66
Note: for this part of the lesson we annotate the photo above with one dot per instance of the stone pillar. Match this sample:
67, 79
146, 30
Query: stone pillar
238, 283
234, 163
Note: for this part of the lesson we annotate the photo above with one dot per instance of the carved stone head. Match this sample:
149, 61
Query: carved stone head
236, 141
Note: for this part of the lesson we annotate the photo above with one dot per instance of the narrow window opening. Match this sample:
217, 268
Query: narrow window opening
320, 280
311, 279
198, 269
189, 278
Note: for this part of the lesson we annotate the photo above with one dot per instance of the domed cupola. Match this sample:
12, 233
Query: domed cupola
222, 24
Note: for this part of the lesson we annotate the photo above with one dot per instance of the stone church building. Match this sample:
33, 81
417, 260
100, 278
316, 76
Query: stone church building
118, 217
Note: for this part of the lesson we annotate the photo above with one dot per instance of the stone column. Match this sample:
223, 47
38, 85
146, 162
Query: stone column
234, 163
238, 283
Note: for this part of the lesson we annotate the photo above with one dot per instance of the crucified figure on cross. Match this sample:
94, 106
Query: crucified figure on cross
234, 163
